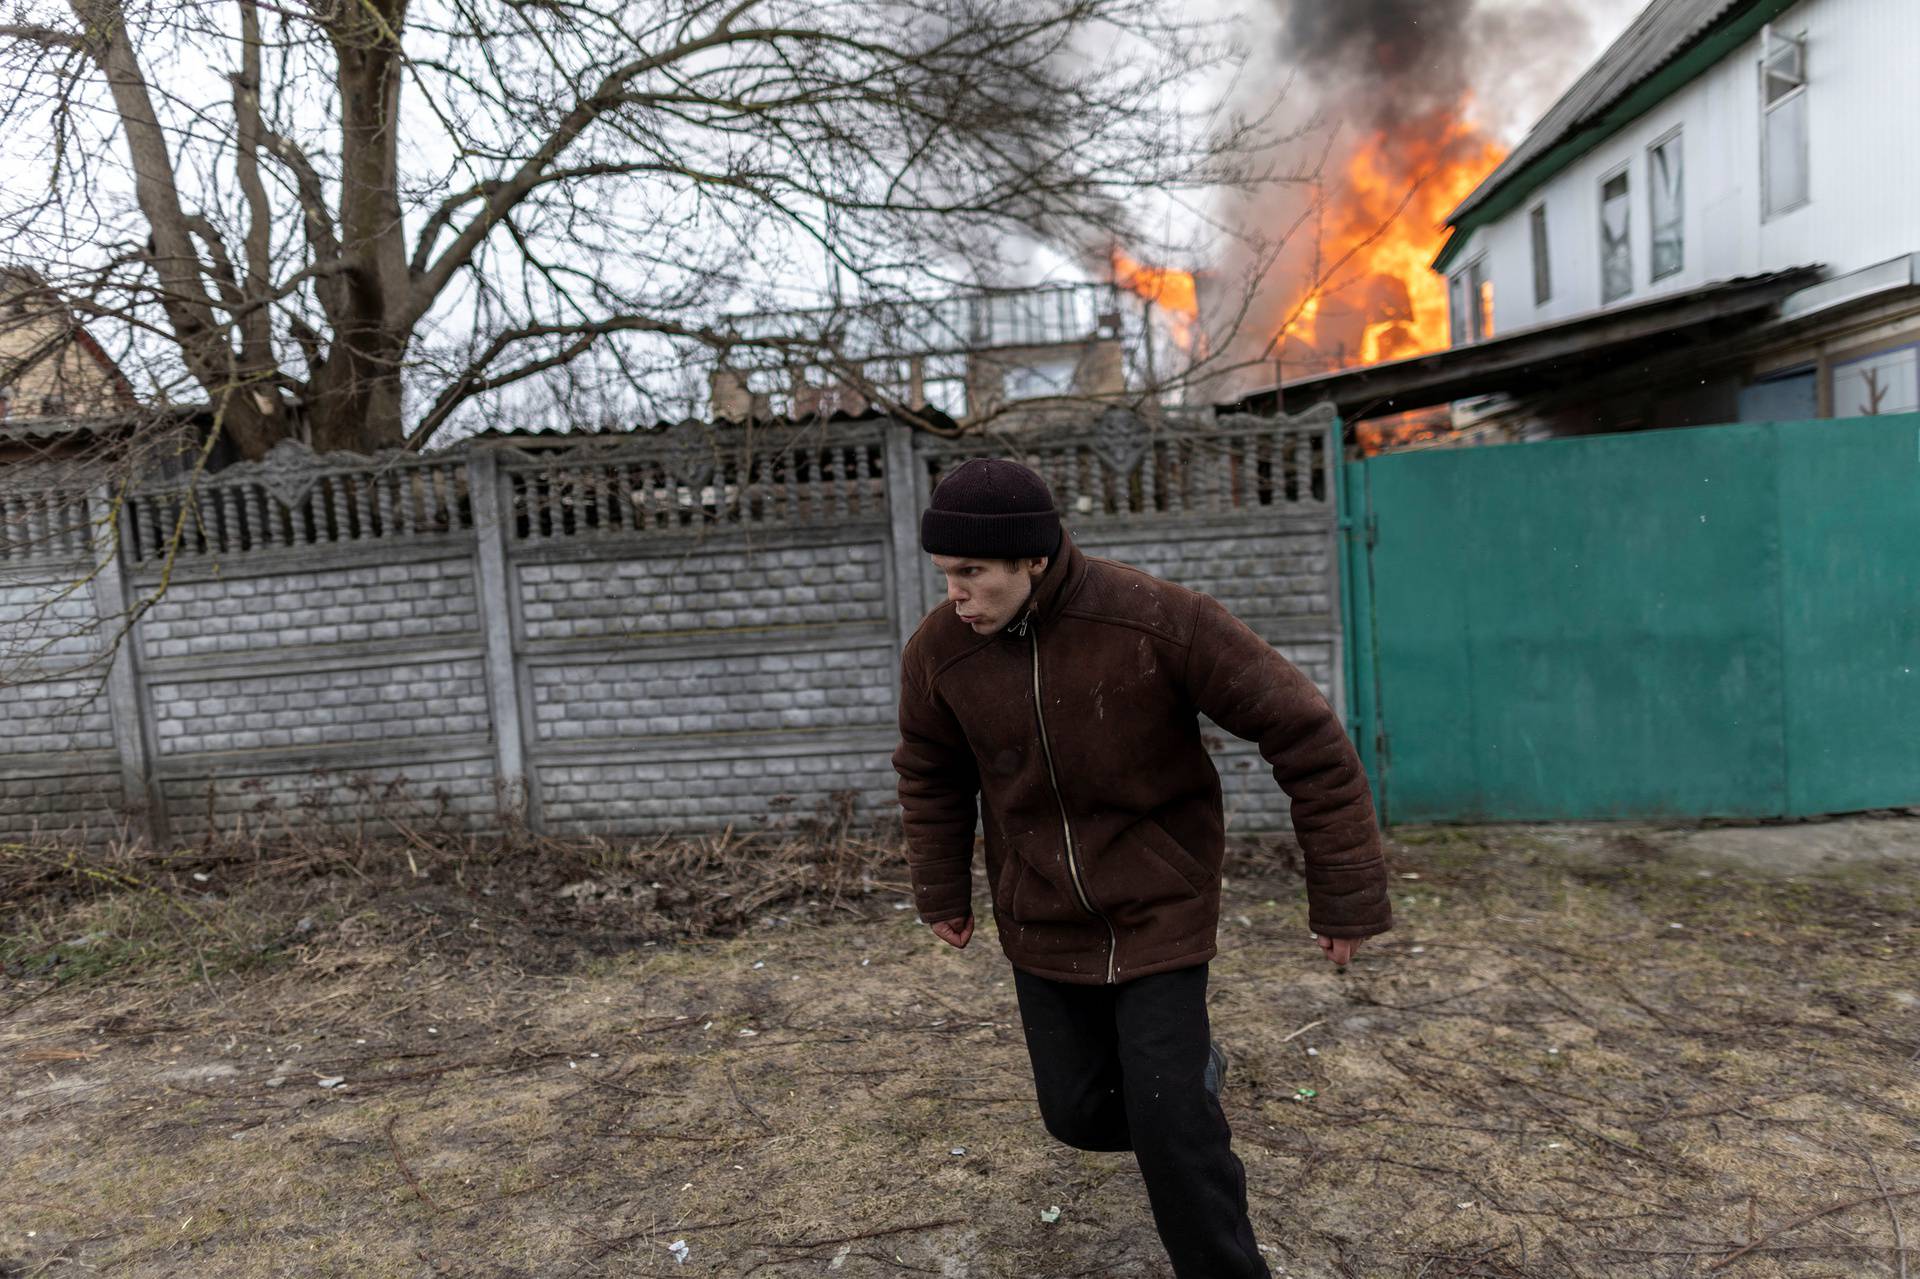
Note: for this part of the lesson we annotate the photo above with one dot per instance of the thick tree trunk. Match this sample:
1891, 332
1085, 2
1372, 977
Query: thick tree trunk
355, 402
252, 430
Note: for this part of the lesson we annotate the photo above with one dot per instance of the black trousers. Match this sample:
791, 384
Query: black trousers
1120, 1068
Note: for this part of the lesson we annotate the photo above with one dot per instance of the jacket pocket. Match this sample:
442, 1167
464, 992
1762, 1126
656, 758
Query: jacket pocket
1033, 898
1183, 863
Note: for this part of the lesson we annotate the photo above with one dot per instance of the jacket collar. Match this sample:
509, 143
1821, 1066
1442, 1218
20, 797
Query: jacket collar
1066, 571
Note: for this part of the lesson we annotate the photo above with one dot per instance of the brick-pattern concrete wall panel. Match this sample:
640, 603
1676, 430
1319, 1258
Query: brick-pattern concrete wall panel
455, 793
804, 689
54, 716
420, 600
707, 590
749, 791
282, 709
631, 657
47, 623
1254, 575
60, 806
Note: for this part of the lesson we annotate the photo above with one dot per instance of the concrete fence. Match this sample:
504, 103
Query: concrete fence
677, 630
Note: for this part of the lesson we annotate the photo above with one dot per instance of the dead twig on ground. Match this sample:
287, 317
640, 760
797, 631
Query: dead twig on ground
882, 1233
54, 1207
1798, 1222
1893, 1214
746, 1105
393, 1145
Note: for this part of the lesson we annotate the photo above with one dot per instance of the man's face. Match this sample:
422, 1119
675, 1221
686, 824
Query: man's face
988, 594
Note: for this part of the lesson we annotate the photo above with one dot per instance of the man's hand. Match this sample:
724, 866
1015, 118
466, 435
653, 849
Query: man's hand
955, 932
1339, 949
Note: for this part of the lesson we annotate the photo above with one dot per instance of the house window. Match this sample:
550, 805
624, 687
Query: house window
1873, 385
1039, 378
1616, 250
1470, 304
1666, 206
1542, 269
1783, 123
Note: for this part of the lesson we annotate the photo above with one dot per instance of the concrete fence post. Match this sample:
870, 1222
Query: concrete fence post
133, 736
903, 523
493, 585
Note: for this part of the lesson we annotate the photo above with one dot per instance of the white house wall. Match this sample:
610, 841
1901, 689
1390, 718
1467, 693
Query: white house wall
1864, 130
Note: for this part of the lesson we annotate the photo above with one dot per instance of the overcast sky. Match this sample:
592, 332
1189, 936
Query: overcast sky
1604, 20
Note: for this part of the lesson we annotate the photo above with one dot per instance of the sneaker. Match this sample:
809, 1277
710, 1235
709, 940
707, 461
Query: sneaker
1216, 1073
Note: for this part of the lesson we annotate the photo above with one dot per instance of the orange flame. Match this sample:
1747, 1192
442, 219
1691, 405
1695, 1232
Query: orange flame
1383, 224
1167, 287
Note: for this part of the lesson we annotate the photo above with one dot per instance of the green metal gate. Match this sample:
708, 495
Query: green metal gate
1718, 621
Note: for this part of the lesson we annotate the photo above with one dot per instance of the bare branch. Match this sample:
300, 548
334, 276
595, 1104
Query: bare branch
51, 37
172, 252
606, 95
466, 387
256, 332
317, 218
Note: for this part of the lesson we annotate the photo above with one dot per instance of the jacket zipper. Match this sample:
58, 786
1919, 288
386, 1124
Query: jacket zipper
1066, 828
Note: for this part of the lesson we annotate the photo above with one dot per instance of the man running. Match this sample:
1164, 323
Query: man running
1063, 692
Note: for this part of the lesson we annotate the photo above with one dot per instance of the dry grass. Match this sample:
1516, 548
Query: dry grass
745, 1046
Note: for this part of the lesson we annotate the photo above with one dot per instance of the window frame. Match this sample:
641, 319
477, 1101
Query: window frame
1672, 137
1798, 42
1473, 322
1623, 171
1480, 298
1540, 244
1837, 364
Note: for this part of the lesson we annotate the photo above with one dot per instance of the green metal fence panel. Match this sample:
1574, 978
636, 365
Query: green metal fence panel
1850, 618
1719, 621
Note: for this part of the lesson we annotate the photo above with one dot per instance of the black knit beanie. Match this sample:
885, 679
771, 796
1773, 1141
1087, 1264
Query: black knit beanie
991, 509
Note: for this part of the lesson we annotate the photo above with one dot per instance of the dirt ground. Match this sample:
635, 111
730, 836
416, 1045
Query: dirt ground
1605, 1051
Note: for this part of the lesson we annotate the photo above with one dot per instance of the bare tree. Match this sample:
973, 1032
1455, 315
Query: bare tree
352, 221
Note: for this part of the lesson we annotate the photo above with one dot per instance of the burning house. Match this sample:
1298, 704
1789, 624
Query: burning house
1715, 223
1390, 124
1393, 136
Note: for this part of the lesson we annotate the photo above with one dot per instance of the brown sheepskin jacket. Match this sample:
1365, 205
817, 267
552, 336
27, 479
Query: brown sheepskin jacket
1077, 727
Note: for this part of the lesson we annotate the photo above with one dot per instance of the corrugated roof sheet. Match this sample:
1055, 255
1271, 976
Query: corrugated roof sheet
45, 428
564, 434
38, 427
1663, 30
